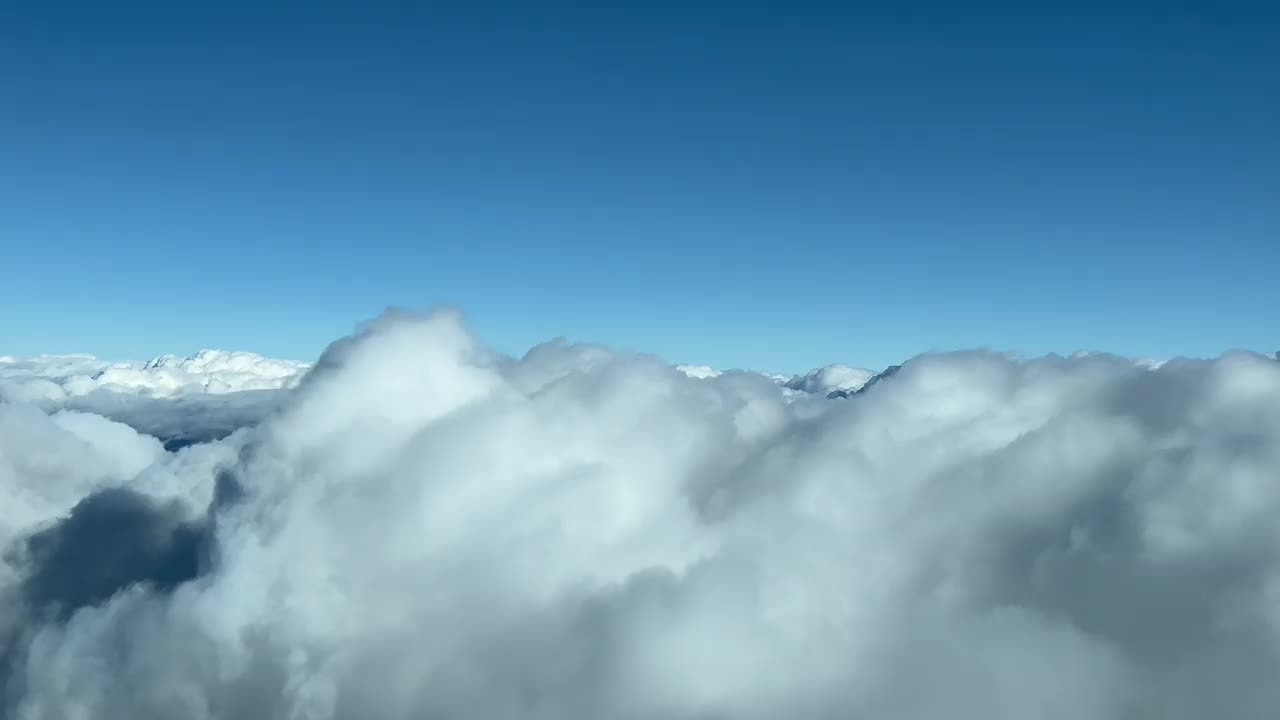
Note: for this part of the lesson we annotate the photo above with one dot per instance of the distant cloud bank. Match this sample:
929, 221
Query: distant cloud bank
420, 527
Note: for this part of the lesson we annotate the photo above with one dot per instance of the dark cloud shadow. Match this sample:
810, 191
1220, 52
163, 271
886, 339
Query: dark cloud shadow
112, 540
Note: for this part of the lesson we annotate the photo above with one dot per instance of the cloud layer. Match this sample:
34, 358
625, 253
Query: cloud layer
424, 528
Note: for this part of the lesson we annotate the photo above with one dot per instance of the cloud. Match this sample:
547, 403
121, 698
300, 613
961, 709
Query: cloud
425, 528
110, 541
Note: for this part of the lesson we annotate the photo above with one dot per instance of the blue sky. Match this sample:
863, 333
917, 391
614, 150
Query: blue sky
746, 185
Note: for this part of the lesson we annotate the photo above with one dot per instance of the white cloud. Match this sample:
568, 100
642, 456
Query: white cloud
425, 528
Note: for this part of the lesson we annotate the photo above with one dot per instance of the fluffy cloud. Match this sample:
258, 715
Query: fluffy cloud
425, 528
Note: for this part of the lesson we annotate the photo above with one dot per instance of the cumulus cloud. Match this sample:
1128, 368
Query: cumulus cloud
425, 528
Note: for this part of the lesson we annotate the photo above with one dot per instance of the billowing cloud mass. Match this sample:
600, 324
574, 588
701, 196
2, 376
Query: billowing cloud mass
424, 528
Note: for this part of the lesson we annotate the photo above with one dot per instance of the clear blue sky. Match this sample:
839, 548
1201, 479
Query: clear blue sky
742, 184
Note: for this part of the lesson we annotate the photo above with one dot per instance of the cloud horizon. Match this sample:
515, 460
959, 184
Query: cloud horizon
418, 526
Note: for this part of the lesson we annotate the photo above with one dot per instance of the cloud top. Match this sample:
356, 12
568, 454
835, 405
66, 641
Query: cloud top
425, 528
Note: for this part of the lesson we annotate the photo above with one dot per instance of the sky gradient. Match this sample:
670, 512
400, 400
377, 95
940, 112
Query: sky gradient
743, 185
